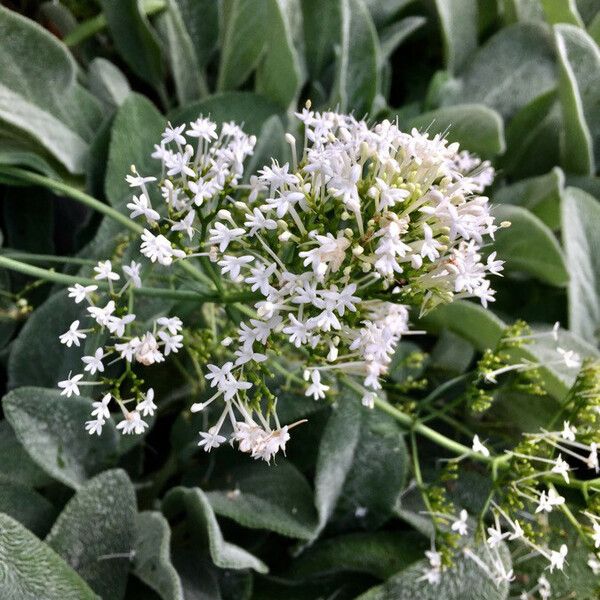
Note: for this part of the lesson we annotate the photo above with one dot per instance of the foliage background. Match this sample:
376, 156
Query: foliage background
85, 90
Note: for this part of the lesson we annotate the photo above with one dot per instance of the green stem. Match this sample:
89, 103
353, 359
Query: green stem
71, 192
46, 258
93, 203
92, 26
63, 278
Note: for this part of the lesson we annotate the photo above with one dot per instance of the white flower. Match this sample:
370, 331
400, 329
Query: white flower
94, 363
204, 129
69, 386
368, 400
141, 206
571, 359
132, 272
101, 408
495, 535
132, 423
562, 468
568, 432
80, 293
138, 181
233, 265
297, 331
104, 271
316, 389
479, 447
210, 439
127, 349
172, 324
147, 351
95, 426
222, 236
218, 375
557, 558
72, 335
186, 224
257, 221
460, 524
172, 342
102, 315
117, 325
159, 249
173, 134
147, 407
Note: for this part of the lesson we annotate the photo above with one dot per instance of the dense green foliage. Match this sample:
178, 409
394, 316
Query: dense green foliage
85, 90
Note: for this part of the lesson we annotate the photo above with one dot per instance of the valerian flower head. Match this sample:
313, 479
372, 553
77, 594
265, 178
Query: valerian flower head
333, 248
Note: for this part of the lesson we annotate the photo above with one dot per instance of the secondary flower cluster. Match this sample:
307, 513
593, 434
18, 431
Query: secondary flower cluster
114, 335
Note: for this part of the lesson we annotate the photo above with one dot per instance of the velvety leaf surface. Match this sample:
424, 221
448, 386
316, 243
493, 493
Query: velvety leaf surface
51, 429
30, 569
95, 532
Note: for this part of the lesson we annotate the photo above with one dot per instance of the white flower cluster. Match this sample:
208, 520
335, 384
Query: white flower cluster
335, 245
116, 327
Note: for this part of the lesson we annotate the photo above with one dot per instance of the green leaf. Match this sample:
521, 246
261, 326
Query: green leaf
134, 39
38, 357
136, 128
357, 69
464, 581
532, 138
579, 91
95, 532
562, 12
393, 35
279, 75
581, 238
469, 320
152, 561
322, 31
39, 94
529, 245
277, 498
31, 570
206, 530
201, 19
382, 11
246, 108
380, 554
243, 42
511, 69
16, 466
458, 20
187, 75
107, 82
361, 466
51, 429
26, 506
541, 195
474, 126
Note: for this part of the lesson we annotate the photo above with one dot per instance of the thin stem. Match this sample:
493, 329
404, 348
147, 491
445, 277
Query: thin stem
46, 258
105, 209
63, 278
96, 24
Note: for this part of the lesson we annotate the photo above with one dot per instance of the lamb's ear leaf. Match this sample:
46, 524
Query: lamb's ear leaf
206, 531
152, 561
361, 468
511, 69
95, 532
464, 581
277, 498
40, 98
51, 429
32, 570
458, 22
